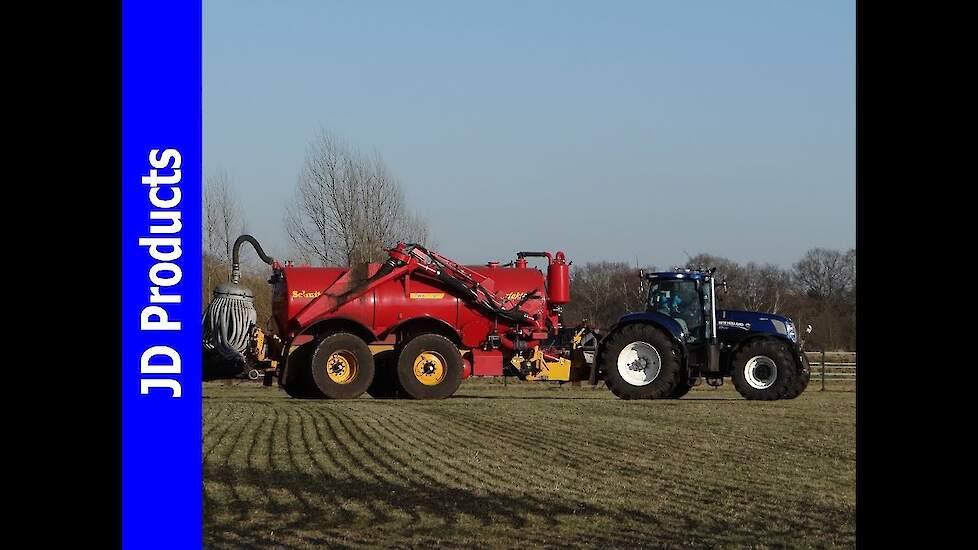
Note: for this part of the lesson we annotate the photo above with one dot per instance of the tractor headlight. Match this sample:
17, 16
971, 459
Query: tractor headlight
792, 334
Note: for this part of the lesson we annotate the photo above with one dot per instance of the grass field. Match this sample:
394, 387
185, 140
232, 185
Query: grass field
528, 465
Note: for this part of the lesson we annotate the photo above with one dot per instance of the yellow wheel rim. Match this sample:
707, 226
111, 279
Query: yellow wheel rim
342, 367
429, 368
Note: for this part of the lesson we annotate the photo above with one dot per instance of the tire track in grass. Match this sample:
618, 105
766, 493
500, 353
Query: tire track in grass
413, 487
684, 489
542, 509
585, 498
347, 516
439, 467
226, 476
460, 469
459, 478
411, 480
227, 424
679, 485
456, 468
369, 475
751, 492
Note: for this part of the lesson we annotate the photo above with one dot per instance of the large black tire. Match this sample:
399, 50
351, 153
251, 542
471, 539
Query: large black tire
385, 384
764, 370
299, 383
662, 384
347, 356
804, 376
682, 388
446, 365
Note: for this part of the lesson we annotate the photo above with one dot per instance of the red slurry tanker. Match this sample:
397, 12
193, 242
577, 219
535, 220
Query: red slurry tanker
414, 326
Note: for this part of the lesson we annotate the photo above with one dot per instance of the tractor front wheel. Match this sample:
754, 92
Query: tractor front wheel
764, 370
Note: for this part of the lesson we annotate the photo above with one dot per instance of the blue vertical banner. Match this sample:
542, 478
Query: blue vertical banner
161, 274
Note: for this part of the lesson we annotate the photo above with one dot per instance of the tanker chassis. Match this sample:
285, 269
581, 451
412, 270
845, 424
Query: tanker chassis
419, 323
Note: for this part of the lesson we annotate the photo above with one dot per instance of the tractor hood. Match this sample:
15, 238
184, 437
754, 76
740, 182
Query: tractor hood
733, 322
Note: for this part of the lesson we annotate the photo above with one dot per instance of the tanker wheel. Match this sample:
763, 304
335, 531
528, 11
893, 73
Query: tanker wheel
342, 366
641, 362
682, 388
429, 366
385, 384
299, 383
764, 370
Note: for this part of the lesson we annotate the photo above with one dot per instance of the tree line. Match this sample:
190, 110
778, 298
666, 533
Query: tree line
348, 209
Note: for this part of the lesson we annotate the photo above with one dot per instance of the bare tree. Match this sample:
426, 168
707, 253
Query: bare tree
763, 287
824, 273
348, 207
602, 292
223, 220
416, 230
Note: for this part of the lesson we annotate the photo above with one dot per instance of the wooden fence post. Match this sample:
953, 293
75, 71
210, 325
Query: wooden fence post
823, 370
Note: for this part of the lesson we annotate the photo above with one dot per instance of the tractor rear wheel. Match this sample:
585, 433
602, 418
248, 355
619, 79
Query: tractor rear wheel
385, 384
299, 383
641, 362
764, 370
342, 366
429, 366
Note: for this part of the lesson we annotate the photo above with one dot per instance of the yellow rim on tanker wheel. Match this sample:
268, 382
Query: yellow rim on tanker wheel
429, 368
342, 367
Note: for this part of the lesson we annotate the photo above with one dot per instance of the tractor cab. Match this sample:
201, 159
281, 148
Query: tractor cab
688, 298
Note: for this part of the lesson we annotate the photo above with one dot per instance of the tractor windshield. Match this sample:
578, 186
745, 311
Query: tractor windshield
681, 300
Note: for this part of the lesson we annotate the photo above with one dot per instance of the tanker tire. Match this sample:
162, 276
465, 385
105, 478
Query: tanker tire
663, 385
300, 384
351, 345
682, 389
787, 375
385, 384
453, 366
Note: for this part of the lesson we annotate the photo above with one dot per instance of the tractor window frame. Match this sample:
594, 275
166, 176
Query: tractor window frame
695, 333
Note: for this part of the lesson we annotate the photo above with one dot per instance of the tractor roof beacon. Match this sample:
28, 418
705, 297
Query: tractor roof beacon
682, 338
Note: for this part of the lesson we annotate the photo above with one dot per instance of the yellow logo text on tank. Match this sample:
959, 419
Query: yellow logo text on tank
427, 295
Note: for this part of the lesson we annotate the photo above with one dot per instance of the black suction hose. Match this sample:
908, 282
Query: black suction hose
236, 254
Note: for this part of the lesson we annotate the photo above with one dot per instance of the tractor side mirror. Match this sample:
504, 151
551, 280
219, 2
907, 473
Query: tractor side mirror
808, 329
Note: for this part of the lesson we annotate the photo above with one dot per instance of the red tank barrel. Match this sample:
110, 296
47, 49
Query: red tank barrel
558, 280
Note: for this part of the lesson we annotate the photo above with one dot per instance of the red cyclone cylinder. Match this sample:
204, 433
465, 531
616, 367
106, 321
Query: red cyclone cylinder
558, 280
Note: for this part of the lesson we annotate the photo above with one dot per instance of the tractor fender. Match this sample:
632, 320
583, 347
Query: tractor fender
664, 322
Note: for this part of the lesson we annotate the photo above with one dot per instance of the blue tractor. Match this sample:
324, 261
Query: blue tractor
682, 338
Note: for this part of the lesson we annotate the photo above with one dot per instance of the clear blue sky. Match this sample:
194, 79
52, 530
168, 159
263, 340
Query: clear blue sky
611, 130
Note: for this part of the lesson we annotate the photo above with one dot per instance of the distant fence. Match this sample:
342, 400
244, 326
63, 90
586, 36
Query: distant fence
824, 371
